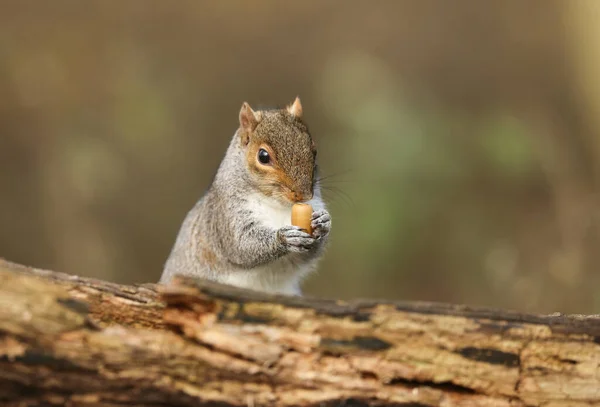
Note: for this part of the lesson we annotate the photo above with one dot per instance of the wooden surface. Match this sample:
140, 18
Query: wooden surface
80, 342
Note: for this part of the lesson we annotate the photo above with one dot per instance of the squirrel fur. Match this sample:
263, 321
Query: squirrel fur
239, 232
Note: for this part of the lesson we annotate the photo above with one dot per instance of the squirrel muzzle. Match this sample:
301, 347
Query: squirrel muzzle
297, 197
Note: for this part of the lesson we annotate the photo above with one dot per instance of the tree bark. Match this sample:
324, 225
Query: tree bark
70, 341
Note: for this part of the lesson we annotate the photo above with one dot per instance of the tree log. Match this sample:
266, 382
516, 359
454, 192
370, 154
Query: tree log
70, 341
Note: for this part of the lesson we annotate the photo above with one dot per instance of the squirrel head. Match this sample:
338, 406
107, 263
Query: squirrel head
279, 151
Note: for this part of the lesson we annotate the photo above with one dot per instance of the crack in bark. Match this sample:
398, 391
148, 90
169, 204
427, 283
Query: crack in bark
443, 386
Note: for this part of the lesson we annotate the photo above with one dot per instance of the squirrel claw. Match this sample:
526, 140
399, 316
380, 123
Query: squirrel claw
321, 223
295, 239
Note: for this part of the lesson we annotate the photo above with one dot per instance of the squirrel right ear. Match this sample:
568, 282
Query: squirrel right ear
248, 122
248, 118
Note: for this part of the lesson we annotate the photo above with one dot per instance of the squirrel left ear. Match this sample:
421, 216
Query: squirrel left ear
295, 109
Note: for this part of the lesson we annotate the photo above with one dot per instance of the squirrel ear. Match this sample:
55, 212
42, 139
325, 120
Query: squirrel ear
295, 109
248, 118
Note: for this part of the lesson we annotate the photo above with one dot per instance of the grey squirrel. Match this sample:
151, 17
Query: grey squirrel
239, 232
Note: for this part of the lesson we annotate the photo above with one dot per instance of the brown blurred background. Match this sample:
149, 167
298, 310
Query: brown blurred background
463, 137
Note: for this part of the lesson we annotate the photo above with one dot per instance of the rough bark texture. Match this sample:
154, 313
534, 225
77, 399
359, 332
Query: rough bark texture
79, 342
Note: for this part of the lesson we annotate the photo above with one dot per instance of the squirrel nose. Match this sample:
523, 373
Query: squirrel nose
299, 197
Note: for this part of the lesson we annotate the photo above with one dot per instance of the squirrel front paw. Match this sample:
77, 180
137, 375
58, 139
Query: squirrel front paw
295, 239
321, 223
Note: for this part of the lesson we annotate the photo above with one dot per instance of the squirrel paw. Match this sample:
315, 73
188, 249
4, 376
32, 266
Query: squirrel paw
295, 239
321, 223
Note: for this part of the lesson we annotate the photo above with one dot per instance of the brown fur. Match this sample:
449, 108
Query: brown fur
289, 175
209, 257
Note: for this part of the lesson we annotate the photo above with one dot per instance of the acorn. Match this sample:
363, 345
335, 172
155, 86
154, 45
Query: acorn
301, 217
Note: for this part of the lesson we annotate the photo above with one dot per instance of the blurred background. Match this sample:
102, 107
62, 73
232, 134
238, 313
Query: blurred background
462, 139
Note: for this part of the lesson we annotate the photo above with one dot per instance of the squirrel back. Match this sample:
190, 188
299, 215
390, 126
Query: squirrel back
239, 232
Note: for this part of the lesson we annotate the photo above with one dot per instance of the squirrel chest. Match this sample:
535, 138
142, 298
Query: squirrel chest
268, 211
282, 275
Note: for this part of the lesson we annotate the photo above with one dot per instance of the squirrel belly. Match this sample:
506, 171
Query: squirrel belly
197, 253
284, 274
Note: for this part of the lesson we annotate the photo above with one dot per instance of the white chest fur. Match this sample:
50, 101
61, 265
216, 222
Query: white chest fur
284, 274
270, 212
275, 214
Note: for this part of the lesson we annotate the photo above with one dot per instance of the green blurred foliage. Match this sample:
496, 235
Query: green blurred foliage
459, 145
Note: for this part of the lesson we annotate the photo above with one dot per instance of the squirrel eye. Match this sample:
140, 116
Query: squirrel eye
263, 156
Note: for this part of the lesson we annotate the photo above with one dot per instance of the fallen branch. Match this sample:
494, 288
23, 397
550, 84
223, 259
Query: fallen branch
72, 341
